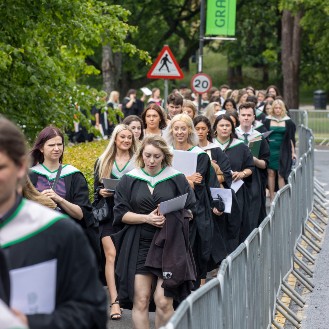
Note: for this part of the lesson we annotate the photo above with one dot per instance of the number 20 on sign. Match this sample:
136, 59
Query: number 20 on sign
201, 83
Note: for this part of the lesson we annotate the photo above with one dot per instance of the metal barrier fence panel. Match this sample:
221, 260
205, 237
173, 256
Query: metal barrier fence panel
244, 293
225, 295
182, 317
253, 279
237, 284
299, 117
266, 271
205, 305
318, 122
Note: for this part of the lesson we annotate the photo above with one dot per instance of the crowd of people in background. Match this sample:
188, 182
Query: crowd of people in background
244, 141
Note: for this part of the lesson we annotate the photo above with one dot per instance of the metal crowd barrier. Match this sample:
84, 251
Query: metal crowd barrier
244, 294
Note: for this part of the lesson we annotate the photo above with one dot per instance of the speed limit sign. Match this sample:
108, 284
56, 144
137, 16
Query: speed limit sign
201, 83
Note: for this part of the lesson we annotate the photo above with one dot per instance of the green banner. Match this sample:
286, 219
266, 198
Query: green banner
221, 17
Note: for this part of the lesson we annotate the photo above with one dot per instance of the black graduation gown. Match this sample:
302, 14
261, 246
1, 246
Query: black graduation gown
216, 153
77, 192
219, 244
259, 126
261, 174
201, 229
257, 208
4, 279
80, 298
133, 195
241, 158
285, 162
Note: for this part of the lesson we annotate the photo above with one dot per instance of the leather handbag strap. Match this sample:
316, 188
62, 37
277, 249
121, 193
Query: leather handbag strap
57, 177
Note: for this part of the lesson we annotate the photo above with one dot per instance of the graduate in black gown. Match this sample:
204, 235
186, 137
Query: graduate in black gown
38, 240
114, 162
182, 136
220, 176
219, 160
242, 165
137, 198
261, 154
63, 183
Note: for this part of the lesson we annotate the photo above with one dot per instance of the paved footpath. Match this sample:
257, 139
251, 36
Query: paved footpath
316, 315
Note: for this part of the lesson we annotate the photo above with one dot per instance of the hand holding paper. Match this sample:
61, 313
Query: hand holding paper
174, 204
226, 195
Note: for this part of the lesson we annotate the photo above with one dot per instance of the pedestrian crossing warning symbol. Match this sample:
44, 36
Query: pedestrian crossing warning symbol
165, 66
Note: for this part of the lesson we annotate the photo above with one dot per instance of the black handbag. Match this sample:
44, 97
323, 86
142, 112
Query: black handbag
218, 203
101, 210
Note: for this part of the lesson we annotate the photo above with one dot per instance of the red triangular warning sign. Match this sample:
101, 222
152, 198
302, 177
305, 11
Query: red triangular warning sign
165, 66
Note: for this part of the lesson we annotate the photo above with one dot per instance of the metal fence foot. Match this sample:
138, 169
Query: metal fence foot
313, 233
292, 297
289, 311
298, 299
311, 243
320, 217
320, 195
303, 266
323, 212
287, 316
277, 325
305, 253
318, 227
304, 280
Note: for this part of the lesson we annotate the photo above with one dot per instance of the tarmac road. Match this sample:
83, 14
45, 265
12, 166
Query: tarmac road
316, 314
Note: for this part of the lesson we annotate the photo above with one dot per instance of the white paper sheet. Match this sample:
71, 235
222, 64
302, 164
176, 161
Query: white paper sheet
110, 183
174, 204
185, 162
8, 320
33, 288
236, 185
146, 91
226, 195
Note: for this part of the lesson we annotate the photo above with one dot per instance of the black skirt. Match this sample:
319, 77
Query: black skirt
146, 237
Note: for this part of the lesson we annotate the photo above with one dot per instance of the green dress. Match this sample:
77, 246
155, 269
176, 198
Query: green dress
276, 139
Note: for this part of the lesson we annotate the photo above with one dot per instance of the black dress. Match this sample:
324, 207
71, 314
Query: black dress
132, 242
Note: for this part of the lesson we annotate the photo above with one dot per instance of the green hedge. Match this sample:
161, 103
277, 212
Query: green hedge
83, 157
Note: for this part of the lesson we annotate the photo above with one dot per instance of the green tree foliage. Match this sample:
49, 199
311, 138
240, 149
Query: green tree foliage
315, 55
258, 37
171, 22
43, 46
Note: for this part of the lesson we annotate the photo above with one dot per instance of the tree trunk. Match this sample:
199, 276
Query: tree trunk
111, 69
291, 52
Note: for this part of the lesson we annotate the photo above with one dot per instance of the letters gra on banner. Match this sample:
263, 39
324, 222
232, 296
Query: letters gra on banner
221, 17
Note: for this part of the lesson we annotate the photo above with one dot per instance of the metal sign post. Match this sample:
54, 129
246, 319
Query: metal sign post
165, 94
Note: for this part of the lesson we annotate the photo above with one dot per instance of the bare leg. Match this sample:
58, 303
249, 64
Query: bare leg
142, 294
110, 252
271, 182
281, 181
164, 306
